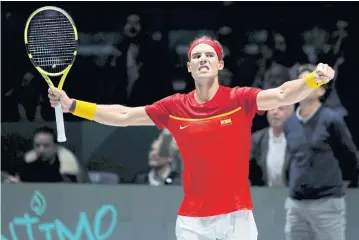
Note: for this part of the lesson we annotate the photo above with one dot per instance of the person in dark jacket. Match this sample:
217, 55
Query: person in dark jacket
319, 143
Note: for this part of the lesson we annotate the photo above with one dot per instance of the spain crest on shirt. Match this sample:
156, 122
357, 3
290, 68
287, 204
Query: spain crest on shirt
225, 122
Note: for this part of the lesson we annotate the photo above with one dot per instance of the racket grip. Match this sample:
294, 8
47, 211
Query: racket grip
61, 136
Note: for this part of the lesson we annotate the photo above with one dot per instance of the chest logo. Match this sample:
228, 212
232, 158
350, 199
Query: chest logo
226, 122
183, 127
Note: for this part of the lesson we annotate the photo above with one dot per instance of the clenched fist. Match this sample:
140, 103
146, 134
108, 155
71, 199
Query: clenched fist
57, 97
323, 73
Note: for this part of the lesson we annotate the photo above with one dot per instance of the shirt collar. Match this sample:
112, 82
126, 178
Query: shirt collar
306, 119
273, 137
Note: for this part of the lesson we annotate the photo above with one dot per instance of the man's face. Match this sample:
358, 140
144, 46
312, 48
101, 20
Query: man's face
277, 116
154, 160
133, 26
44, 146
316, 94
204, 62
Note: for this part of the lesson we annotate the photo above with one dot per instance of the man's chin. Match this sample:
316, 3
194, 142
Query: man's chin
204, 76
275, 124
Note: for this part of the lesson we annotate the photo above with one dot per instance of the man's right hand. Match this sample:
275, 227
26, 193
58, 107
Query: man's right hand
57, 97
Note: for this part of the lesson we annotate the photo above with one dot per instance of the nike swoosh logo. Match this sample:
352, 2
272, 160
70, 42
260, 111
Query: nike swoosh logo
183, 127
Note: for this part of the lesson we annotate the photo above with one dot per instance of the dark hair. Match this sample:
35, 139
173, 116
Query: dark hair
311, 68
283, 73
46, 130
305, 68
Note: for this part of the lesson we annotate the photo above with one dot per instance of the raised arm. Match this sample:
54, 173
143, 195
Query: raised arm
118, 115
294, 91
113, 115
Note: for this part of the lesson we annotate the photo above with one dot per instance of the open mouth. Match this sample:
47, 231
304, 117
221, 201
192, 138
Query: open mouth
203, 68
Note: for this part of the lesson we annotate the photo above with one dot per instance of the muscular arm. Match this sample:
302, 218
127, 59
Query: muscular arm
114, 115
288, 93
121, 116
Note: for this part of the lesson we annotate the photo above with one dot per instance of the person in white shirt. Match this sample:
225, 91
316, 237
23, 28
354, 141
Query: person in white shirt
269, 156
161, 160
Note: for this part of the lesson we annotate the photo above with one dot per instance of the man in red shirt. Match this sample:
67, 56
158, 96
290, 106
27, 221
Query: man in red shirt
208, 125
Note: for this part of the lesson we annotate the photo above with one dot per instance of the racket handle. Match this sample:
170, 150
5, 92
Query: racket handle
61, 136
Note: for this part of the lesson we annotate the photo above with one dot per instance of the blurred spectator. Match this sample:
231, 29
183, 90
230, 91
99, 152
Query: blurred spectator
340, 36
27, 97
317, 46
134, 68
281, 53
340, 48
275, 76
48, 161
7, 178
264, 62
160, 160
269, 162
319, 142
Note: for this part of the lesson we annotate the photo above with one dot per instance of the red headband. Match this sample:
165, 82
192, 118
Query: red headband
208, 41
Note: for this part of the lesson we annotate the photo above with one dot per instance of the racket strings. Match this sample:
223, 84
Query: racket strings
51, 41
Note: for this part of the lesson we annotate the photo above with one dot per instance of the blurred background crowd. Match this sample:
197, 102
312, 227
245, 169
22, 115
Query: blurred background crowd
135, 53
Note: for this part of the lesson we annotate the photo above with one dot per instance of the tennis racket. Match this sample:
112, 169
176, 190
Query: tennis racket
51, 44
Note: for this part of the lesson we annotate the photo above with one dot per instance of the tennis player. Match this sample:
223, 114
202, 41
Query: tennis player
211, 125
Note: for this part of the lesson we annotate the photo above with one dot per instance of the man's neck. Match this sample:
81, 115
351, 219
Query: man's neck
277, 131
307, 108
205, 92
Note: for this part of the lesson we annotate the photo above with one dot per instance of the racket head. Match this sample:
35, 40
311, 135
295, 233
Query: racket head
51, 40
